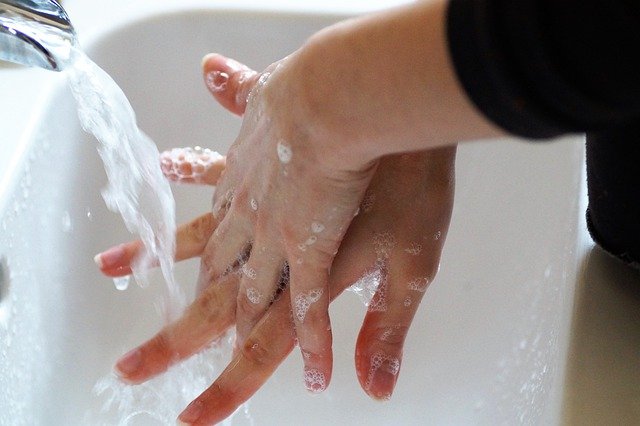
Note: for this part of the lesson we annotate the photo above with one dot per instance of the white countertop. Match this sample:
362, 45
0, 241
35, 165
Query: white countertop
22, 89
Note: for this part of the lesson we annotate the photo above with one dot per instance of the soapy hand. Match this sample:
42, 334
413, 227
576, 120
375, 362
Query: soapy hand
283, 207
397, 238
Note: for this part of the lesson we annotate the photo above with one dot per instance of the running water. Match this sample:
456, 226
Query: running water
138, 190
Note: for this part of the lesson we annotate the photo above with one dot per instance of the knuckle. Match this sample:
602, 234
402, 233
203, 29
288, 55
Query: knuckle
246, 308
290, 237
200, 228
256, 352
241, 199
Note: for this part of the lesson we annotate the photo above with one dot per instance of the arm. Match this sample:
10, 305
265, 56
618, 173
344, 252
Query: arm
383, 84
466, 69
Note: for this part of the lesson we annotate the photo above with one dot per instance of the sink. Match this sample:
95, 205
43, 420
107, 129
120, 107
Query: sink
490, 344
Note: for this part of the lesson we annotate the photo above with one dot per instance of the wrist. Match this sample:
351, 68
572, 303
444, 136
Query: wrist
383, 84
333, 96
317, 103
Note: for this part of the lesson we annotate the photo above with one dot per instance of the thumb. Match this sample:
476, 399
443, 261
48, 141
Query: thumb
229, 81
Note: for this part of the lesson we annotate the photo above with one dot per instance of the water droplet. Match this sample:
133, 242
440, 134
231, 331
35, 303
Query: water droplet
122, 283
317, 227
284, 152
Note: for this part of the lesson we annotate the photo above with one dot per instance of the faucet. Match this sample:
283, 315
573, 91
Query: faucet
36, 33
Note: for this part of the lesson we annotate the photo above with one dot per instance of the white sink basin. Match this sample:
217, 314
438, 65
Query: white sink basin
489, 344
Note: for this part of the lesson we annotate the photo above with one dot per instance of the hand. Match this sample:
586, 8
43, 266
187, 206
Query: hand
282, 205
403, 243
315, 126
398, 233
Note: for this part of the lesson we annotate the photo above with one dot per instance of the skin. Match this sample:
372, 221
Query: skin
409, 262
315, 127
425, 180
321, 128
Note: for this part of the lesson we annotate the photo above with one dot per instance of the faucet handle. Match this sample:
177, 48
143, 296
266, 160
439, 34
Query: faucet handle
36, 33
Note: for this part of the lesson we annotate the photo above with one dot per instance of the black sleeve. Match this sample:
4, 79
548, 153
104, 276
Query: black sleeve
613, 180
541, 68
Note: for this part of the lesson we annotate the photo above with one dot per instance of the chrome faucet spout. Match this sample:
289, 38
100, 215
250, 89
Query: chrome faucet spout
36, 33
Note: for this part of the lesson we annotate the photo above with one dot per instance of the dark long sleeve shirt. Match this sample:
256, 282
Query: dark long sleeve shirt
543, 68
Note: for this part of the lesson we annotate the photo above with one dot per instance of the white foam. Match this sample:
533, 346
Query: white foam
303, 302
314, 380
249, 272
284, 152
414, 249
190, 164
419, 284
317, 227
379, 360
383, 244
254, 295
163, 397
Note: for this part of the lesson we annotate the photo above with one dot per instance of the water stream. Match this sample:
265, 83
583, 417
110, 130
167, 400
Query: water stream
141, 194
136, 189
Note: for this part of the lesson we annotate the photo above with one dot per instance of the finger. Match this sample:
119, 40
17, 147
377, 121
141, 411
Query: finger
310, 304
192, 165
260, 278
256, 360
381, 339
267, 345
204, 321
229, 81
191, 239
226, 251
223, 196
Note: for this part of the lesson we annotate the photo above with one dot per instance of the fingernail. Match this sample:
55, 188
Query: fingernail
217, 81
129, 363
205, 58
383, 375
191, 413
110, 258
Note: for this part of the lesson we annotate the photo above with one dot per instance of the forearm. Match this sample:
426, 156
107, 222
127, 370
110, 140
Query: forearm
384, 84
